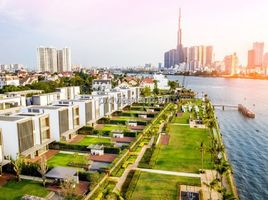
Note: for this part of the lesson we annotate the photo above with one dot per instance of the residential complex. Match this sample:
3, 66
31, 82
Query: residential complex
28, 130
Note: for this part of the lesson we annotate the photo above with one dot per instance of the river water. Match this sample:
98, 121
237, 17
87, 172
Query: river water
246, 140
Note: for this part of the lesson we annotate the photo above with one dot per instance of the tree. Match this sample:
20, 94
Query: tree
202, 150
146, 91
68, 188
211, 186
222, 169
17, 165
156, 89
42, 168
172, 85
226, 195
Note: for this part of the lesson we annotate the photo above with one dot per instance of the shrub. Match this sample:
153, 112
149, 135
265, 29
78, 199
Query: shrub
112, 150
64, 146
145, 161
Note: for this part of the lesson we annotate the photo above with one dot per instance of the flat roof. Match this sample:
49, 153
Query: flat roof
61, 172
10, 118
45, 107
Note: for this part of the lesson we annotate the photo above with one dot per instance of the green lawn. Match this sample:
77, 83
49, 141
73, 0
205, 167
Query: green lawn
184, 119
182, 153
125, 118
111, 127
94, 140
158, 186
62, 159
15, 190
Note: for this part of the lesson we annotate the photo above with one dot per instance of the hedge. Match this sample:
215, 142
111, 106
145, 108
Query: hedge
145, 160
112, 150
64, 146
92, 177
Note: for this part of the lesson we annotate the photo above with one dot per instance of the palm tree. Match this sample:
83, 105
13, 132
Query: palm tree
222, 169
18, 164
42, 169
226, 195
202, 150
211, 186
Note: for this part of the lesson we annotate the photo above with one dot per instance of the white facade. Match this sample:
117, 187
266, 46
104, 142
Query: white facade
68, 92
102, 85
45, 99
28, 135
9, 80
162, 81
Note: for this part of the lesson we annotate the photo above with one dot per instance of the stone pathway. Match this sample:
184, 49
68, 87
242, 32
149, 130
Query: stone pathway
134, 166
207, 178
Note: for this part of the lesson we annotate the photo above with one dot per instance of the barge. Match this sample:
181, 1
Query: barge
245, 111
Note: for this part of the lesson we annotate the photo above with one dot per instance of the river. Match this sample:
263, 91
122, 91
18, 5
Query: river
246, 140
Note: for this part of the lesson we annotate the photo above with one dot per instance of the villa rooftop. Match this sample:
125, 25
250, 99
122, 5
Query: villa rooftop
95, 146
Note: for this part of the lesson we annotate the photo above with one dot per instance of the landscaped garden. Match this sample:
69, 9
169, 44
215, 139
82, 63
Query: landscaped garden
183, 119
183, 152
16, 190
94, 140
157, 186
68, 160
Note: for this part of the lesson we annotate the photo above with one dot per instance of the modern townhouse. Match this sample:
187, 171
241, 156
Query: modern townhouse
45, 99
68, 92
27, 134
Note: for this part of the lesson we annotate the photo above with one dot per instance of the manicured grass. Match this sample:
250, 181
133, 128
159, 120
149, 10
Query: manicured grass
152, 186
184, 119
123, 118
94, 140
183, 151
62, 159
111, 127
15, 190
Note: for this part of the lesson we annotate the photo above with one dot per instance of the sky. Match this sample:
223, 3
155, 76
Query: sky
128, 32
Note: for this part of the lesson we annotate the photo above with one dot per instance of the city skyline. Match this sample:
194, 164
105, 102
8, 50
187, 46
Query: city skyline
100, 36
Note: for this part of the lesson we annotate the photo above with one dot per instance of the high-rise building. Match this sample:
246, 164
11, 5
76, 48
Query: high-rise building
209, 56
181, 57
64, 60
193, 58
47, 59
175, 56
230, 63
265, 60
258, 50
251, 59
171, 58
53, 60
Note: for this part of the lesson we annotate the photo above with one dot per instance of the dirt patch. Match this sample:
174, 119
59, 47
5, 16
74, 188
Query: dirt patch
165, 139
49, 154
99, 126
103, 158
5, 178
77, 138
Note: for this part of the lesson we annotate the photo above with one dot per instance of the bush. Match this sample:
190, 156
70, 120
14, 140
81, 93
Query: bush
145, 160
130, 134
86, 130
92, 177
112, 150
64, 146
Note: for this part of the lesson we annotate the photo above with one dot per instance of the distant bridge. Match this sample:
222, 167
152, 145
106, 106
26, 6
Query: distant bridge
223, 106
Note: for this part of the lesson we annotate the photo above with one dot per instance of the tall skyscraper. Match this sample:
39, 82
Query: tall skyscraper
175, 56
181, 57
258, 51
53, 60
47, 59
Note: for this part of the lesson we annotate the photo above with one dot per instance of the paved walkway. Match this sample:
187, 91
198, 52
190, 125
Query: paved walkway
134, 166
179, 124
185, 174
207, 178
